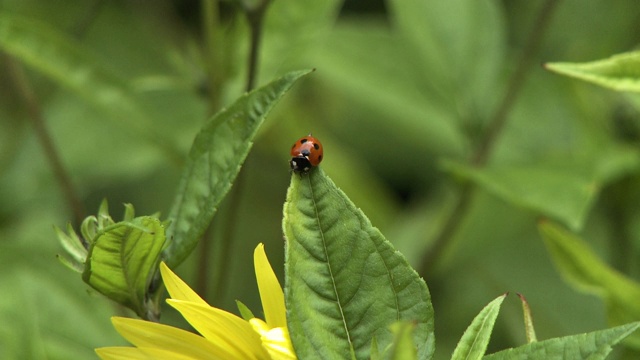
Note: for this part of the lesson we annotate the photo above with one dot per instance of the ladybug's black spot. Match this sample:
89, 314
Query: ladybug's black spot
319, 158
316, 146
302, 141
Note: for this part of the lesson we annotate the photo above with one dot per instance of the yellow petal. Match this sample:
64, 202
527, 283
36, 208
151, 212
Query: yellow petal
121, 353
275, 340
131, 353
278, 344
270, 290
259, 326
146, 334
222, 328
177, 288
161, 354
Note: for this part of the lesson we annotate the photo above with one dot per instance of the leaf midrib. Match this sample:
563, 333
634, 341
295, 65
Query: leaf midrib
333, 281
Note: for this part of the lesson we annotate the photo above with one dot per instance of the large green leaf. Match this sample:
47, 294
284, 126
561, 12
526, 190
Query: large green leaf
475, 339
345, 283
215, 158
122, 260
593, 346
619, 72
581, 267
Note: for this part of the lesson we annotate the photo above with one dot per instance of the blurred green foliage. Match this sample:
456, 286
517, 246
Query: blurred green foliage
403, 95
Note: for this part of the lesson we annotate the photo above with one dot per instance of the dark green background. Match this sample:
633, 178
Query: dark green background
392, 96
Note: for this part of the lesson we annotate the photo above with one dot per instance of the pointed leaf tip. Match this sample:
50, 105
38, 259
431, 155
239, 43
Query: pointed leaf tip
619, 72
215, 158
475, 339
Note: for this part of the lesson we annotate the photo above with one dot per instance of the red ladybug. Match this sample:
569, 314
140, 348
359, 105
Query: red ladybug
305, 154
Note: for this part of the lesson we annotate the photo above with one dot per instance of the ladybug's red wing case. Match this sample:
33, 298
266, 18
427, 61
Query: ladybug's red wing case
306, 153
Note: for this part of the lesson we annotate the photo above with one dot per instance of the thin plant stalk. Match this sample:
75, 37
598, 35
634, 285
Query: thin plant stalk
24, 89
489, 140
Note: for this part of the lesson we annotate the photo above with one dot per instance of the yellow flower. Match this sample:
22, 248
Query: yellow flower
223, 335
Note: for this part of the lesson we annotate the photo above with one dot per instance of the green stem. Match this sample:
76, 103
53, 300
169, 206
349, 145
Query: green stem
210, 25
489, 140
515, 83
255, 17
90, 12
202, 273
229, 228
23, 88
212, 48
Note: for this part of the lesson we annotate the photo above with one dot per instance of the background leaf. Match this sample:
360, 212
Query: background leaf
38, 310
566, 196
582, 268
475, 339
215, 158
552, 187
72, 66
593, 346
619, 72
345, 283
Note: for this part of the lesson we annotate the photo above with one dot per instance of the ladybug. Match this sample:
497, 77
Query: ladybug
305, 154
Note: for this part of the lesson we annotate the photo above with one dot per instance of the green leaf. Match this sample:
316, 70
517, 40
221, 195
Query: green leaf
582, 268
619, 72
403, 347
72, 244
71, 265
475, 339
122, 261
345, 283
69, 64
215, 158
592, 346
245, 312
560, 186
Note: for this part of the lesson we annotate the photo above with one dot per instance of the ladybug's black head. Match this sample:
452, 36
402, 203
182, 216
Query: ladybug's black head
300, 164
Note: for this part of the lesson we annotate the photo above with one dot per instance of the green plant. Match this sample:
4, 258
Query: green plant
437, 125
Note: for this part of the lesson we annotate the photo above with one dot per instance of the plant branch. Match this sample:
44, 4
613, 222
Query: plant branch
255, 17
24, 89
515, 83
202, 272
489, 140
212, 47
